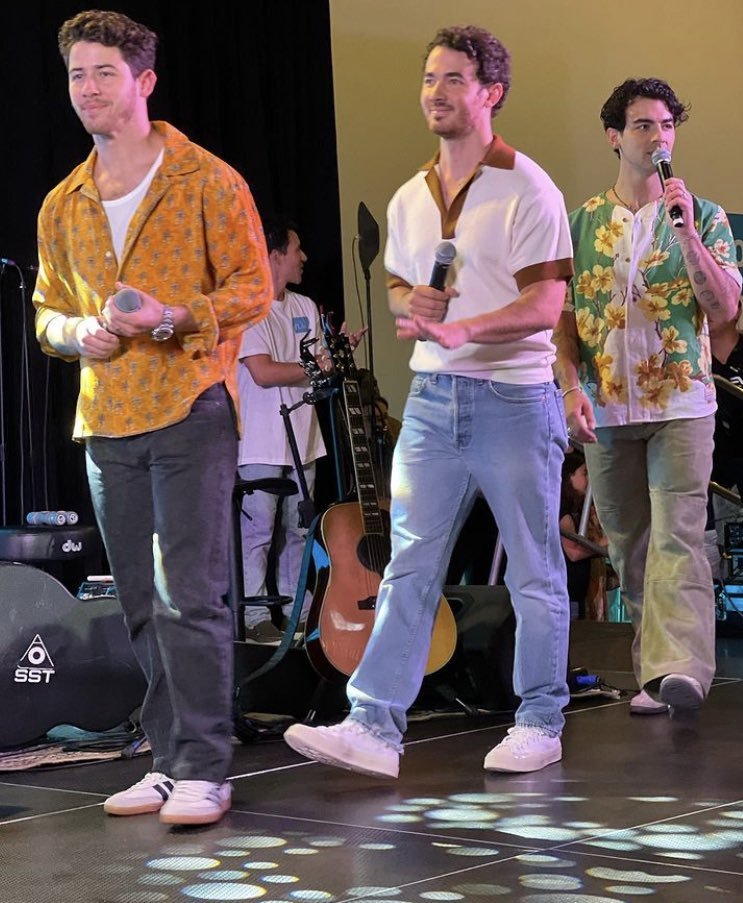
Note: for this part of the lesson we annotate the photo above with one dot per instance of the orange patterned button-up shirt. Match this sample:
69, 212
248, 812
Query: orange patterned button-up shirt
195, 240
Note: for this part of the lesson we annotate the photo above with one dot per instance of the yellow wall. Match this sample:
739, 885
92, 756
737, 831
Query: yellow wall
567, 55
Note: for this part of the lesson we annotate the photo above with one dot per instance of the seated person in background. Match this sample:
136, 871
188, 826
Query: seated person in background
269, 374
586, 570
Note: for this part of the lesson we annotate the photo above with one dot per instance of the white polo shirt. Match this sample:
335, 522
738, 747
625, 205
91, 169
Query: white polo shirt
510, 229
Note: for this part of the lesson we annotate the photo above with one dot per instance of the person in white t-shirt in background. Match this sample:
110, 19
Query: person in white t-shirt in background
269, 375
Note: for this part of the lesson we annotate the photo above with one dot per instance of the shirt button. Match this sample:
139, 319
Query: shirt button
108, 255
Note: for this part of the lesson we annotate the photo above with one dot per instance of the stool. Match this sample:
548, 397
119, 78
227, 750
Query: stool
236, 593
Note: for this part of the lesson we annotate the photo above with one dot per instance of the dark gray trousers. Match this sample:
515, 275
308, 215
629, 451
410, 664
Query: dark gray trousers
162, 501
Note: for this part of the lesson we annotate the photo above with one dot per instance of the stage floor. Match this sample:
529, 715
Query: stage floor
639, 807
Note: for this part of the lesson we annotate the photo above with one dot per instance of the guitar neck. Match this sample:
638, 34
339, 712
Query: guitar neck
362, 463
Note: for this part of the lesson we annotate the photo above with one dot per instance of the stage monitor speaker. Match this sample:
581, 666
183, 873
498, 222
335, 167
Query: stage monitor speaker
481, 672
62, 660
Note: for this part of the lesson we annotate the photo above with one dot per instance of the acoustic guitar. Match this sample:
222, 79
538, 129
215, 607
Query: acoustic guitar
356, 536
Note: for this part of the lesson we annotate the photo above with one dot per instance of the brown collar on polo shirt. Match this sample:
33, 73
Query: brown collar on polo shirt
498, 155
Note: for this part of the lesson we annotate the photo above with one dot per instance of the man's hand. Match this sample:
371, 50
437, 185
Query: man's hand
580, 418
93, 340
135, 322
354, 338
429, 303
448, 335
676, 194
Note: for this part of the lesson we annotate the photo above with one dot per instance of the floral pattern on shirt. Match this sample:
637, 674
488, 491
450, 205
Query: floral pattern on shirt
644, 344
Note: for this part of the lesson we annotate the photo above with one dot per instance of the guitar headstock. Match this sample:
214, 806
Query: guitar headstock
339, 348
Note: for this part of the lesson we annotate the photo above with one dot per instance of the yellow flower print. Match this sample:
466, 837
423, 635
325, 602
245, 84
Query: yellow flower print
648, 371
584, 286
684, 296
594, 203
602, 363
654, 307
615, 316
672, 344
680, 374
589, 328
657, 393
613, 388
603, 278
655, 259
605, 238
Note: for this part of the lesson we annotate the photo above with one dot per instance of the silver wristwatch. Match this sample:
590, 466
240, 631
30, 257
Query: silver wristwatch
166, 328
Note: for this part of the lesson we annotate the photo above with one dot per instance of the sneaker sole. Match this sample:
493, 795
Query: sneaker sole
320, 755
145, 809
648, 710
680, 695
172, 818
511, 770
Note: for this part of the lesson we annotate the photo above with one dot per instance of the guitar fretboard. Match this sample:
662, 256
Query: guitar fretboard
362, 463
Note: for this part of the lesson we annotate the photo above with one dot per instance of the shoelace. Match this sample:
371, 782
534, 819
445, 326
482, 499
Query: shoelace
152, 778
522, 739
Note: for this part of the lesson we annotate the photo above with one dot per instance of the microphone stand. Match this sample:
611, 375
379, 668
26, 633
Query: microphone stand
368, 248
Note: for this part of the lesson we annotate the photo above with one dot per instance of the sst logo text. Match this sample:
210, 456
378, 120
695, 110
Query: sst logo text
33, 675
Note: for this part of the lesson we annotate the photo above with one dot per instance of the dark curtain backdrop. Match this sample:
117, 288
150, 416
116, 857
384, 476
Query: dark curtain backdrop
249, 81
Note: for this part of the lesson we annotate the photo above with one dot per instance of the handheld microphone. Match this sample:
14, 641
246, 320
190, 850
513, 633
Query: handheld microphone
661, 160
127, 300
443, 259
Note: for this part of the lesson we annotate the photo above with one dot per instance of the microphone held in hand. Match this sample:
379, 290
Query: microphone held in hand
443, 259
127, 300
661, 160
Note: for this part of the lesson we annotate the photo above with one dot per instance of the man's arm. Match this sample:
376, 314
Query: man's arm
61, 329
268, 373
537, 308
716, 292
578, 408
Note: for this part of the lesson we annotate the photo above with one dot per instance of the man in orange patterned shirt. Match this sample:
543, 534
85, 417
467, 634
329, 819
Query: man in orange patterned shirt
151, 212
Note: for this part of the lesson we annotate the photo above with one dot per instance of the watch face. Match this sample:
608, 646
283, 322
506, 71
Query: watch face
160, 333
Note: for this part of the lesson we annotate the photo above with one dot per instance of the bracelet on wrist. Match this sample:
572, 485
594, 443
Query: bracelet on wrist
571, 389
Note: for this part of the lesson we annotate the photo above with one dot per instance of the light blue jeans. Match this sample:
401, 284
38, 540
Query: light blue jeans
460, 435
649, 483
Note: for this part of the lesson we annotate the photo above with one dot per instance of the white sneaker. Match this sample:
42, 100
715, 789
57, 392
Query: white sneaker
348, 745
524, 749
196, 803
644, 704
147, 795
681, 692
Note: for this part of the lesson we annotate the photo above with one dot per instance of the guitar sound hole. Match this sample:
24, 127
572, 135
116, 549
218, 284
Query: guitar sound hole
374, 552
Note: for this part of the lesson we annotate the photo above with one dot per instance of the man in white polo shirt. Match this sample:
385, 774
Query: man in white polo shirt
483, 413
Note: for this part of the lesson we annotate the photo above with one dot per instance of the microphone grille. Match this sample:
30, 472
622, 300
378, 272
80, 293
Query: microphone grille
661, 155
445, 253
127, 300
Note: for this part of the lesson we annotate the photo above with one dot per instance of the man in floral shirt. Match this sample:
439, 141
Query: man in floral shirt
634, 368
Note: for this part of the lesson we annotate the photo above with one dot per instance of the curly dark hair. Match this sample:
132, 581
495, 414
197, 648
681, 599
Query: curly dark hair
492, 59
276, 228
614, 111
136, 42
